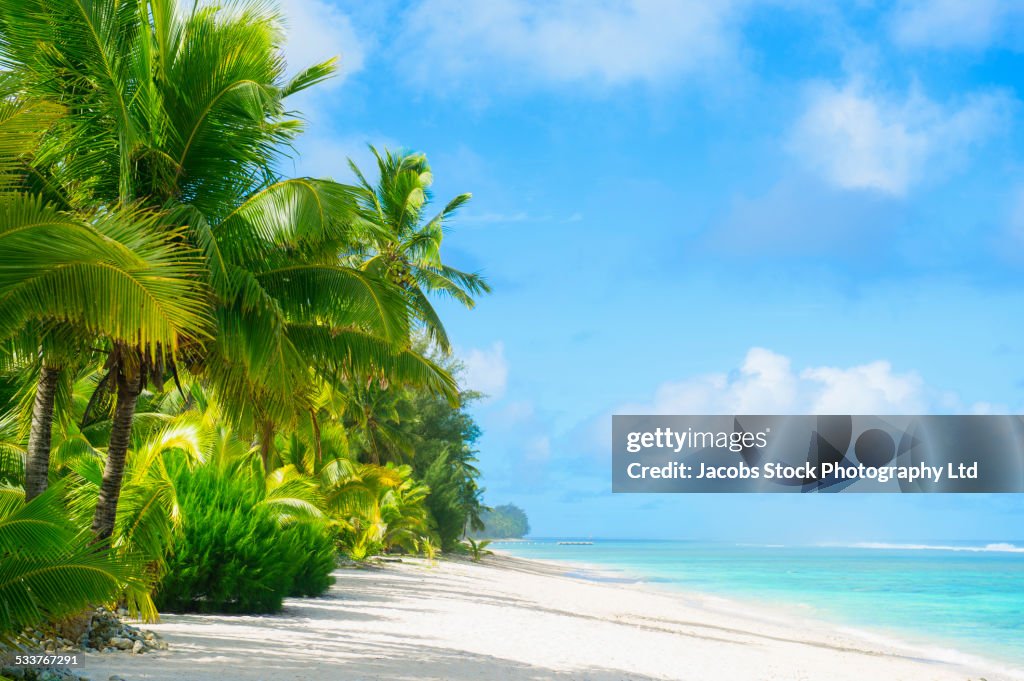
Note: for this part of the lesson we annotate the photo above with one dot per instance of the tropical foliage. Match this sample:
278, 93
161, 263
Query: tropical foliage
48, 569
212, 378
420, 428
235, 552
477, 548
404, 248
507, 521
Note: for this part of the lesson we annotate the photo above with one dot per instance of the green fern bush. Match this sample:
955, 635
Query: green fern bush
314, 544
232, 554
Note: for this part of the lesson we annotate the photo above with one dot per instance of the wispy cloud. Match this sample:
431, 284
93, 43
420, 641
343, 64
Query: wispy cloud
947, 24
767, 383
857, 138
486, 370
318, 30
560, 41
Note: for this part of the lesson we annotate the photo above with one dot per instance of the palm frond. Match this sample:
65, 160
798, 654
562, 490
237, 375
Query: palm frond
116, 274
47, 569
310, 76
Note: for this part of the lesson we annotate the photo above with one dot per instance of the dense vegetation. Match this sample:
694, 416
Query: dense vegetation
233, 553
212, 377
504, 522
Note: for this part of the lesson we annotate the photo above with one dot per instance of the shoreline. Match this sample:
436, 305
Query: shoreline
515, 618
772, 612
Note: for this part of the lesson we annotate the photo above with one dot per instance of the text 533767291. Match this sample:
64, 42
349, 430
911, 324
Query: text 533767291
46, 660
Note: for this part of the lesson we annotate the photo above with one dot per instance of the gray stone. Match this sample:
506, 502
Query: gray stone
138, 647
120, 642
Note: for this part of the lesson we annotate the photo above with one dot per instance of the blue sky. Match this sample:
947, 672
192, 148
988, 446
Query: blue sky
705, 207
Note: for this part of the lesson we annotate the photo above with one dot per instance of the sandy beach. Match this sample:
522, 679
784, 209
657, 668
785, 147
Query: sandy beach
508, 618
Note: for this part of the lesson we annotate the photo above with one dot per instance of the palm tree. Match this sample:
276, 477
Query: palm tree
402, 246
68, 276
65, 269
301, 319
182, 113
162, 107
379, 421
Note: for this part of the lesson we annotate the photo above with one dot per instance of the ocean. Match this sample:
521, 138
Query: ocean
957, 599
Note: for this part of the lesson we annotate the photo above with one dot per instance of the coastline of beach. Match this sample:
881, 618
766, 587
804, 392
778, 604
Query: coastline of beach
511, 618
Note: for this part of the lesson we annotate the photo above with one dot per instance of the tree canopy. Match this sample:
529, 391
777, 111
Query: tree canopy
507, 521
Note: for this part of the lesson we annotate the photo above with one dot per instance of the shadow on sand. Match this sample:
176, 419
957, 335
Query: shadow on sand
298, 645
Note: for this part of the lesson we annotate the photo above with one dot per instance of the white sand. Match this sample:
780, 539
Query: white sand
514, 619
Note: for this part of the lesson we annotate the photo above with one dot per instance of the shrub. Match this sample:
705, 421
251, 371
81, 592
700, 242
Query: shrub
232, 555
476, 549
314, 546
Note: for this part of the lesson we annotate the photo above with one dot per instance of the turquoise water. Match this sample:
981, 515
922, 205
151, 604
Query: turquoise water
966, 597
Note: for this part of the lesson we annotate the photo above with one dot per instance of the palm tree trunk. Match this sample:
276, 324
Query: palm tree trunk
319, 449
266, 445
113, 473
37, 465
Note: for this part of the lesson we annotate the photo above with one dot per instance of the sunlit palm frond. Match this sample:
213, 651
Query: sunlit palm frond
115, 274
47, 569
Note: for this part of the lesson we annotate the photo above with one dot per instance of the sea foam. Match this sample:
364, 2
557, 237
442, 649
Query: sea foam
1000, 547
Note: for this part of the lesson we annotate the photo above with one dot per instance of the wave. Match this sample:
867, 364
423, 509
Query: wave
999, 547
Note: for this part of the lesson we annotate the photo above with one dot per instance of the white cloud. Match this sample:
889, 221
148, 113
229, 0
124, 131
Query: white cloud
766, 383
971, 24
612, 42
317, 31
486, 370
985, 408
867, 389
862, 140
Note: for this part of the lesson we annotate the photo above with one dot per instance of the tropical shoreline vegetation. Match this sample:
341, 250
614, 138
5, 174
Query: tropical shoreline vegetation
507, 521
214, 379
